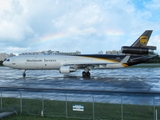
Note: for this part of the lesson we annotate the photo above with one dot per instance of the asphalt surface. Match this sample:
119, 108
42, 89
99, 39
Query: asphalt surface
126, 82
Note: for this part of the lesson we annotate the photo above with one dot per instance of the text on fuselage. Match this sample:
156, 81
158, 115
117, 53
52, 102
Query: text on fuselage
39, 60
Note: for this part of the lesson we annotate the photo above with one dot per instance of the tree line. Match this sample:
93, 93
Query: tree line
155, 59
1, 63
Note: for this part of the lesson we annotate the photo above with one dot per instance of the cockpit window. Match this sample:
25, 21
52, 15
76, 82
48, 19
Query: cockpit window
8, 60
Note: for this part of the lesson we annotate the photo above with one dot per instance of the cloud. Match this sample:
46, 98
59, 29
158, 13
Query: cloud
17, 49
13, 22
153, 4
155, 41
88, 26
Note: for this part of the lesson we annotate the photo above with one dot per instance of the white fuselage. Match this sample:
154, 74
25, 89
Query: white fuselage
54, 62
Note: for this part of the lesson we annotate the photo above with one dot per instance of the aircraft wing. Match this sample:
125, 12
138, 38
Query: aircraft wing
86, 64
97, 64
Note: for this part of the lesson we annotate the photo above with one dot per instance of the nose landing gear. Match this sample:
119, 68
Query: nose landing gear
24, 73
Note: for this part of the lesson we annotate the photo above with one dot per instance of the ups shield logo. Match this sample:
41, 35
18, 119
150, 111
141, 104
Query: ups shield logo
143, 40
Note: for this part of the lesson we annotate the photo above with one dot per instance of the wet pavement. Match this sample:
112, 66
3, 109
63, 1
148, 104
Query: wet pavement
110, 83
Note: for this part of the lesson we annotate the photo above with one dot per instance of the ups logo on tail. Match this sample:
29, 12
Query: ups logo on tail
143, 40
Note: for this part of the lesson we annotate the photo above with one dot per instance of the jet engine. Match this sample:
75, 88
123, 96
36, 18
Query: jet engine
137, 50
66, 69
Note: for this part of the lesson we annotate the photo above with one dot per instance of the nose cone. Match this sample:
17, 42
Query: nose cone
5, 63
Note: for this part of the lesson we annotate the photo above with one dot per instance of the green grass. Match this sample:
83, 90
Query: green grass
29, 117
56, 110
146, 65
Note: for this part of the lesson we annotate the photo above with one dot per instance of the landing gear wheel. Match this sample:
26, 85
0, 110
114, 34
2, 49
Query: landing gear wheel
85, 74
24, 73
88, 74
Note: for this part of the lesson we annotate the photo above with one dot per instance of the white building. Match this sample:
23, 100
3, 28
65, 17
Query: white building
49, 52
3, 56
114, 52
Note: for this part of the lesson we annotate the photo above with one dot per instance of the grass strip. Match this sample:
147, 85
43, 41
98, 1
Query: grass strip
60, 110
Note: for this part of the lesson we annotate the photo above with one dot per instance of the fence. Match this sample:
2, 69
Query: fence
82, 106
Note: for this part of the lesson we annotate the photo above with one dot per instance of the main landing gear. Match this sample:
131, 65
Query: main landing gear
24, 73
86, 74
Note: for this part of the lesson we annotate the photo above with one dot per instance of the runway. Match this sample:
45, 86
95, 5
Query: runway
115, 82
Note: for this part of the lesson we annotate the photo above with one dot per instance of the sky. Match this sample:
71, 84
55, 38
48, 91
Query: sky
88, 26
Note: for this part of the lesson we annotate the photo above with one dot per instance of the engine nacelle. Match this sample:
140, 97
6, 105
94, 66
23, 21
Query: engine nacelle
135, 50
66, 69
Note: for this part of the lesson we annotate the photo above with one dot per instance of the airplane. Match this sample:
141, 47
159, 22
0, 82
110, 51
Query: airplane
137, 53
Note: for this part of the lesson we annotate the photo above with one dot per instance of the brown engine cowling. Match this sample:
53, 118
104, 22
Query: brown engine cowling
137, 50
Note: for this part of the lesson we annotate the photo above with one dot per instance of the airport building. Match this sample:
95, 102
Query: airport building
114, 52
49, 52
3, 56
